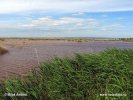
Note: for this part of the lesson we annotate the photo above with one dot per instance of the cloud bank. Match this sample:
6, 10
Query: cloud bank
11, 6
81, 18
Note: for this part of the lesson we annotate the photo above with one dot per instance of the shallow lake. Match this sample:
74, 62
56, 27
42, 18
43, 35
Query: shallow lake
24, 54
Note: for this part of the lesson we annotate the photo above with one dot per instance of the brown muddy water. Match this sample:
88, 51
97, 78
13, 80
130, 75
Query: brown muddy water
24, 54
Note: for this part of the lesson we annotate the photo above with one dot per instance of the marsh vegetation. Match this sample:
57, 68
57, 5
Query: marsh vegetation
82, 77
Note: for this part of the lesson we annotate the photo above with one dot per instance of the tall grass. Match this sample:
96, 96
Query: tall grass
82, 77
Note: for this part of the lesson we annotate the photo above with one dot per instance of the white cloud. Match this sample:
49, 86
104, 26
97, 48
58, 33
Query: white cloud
77, 13
50, 24
10, 6
64, 21
64, 24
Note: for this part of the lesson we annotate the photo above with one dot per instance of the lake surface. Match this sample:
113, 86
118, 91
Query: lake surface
25, 54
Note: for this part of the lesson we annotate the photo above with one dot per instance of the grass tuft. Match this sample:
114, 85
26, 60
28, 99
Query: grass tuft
3, 50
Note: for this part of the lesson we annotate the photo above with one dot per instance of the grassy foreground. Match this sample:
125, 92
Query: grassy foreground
82, 77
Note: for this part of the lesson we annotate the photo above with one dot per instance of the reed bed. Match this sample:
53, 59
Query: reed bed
82, 77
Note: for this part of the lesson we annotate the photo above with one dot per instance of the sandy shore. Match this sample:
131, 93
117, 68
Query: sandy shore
24, 54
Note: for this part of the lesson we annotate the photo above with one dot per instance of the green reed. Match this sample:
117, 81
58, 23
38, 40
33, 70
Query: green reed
82, 77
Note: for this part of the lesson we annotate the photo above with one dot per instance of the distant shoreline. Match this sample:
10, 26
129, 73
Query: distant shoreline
72, 39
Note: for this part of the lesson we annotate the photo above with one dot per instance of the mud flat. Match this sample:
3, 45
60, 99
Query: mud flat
24, 54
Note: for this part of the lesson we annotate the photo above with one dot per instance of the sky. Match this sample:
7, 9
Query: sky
66, 18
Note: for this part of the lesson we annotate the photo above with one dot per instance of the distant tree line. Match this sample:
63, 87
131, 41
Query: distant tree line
126, 39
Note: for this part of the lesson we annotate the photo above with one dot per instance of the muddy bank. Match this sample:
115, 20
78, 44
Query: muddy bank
24, 54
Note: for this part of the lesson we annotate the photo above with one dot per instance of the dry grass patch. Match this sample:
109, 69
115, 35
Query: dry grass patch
3, 50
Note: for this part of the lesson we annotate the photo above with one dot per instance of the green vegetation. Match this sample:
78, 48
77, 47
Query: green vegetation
3, 50
82, 77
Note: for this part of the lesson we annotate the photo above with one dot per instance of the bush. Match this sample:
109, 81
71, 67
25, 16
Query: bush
83, 77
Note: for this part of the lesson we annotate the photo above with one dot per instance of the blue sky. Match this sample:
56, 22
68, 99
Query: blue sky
66, 18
